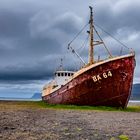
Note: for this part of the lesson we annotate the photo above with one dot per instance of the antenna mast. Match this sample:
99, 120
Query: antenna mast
61, 65
91, 47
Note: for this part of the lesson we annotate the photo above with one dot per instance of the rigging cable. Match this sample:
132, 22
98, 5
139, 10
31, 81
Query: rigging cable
84, 43
112, 36
77, 35
73, 51
102, 41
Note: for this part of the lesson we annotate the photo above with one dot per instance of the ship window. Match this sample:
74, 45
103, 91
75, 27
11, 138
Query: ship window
65, 74
68, 74
58, 74
62, 74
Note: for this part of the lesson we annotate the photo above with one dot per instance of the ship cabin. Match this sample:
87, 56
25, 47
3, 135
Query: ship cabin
62, 77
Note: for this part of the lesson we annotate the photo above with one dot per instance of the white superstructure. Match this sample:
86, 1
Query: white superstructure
60, 79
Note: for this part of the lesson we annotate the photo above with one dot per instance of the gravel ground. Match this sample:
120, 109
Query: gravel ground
27, 123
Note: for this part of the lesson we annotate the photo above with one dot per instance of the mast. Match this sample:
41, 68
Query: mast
91, 45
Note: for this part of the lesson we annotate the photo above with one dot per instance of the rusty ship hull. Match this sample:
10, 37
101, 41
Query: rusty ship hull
106, 83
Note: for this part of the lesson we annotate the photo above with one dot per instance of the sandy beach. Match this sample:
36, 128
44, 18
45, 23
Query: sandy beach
21, 122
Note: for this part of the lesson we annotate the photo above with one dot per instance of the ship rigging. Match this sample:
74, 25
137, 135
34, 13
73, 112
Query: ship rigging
93, 43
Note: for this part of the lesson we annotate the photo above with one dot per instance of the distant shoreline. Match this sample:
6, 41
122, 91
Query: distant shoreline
19, 99
30, 99
134, 101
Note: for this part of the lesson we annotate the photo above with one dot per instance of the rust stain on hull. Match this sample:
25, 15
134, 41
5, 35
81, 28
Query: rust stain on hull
108, 84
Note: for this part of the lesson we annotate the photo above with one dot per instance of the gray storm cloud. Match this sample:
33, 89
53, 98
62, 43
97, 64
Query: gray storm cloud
30, 51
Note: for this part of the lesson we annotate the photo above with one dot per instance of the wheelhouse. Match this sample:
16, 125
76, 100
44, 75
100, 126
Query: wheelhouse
64, 73
61, 77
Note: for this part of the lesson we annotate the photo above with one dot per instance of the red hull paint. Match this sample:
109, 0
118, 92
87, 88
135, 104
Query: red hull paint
108, 84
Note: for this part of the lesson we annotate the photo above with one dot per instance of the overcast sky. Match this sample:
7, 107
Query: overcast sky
34, 35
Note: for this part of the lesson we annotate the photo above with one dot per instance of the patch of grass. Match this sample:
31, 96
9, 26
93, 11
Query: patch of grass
123, 137
41, 104
78, 129
113, 138
132, 109
100, 108
58, 106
